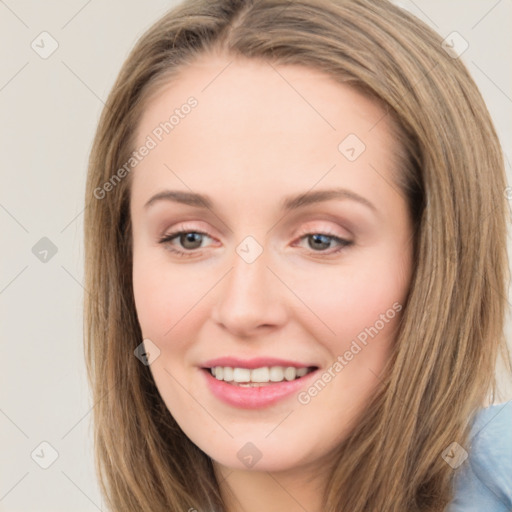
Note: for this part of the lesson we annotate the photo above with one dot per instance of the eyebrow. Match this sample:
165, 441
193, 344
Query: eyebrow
288, 204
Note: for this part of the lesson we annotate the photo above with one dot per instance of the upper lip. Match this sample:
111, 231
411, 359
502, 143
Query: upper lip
256, 362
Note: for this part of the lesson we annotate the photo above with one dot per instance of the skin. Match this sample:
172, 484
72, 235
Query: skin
261, 133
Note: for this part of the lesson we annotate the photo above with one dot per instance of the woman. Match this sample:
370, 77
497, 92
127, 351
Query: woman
329, 339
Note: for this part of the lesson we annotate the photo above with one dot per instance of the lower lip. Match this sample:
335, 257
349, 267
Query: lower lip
254, 397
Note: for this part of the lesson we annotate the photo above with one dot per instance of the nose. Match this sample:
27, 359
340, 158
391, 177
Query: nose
250, 298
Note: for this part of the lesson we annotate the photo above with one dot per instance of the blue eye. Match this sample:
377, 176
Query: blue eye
191, 241
320, 241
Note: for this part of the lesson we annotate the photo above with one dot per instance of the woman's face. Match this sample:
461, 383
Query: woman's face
297, 258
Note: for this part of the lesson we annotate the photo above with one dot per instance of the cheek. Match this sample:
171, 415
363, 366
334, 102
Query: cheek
169, 302
151, 302
156, 304
361, 306
349, 302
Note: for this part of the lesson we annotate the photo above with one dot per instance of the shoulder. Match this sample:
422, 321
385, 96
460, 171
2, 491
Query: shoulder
491, 457
484, 480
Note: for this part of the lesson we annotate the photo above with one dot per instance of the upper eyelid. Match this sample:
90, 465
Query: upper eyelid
301, 234
186, 227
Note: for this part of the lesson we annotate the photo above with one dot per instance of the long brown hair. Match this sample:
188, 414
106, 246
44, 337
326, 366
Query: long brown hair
442, 368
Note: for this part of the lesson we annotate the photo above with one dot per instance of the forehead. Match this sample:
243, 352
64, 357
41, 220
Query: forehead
275, 96
257, 123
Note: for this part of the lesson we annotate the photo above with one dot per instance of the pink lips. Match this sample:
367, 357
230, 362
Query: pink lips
253, 397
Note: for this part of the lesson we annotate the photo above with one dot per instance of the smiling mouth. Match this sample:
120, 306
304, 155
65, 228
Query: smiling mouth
255, 377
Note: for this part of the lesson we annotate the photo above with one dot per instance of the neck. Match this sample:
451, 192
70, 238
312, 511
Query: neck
297, 490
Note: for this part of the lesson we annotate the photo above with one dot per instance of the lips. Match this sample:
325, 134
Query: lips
255, 383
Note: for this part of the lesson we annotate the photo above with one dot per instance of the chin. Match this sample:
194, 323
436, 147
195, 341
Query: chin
262, 454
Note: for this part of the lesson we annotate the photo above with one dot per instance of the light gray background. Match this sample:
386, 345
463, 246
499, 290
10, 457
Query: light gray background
49, 111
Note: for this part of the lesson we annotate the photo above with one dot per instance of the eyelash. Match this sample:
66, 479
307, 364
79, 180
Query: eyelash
166, 239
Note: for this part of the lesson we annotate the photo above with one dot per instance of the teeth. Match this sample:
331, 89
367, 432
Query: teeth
276, 373
261, 375
290, 373
301, 372
241, 375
